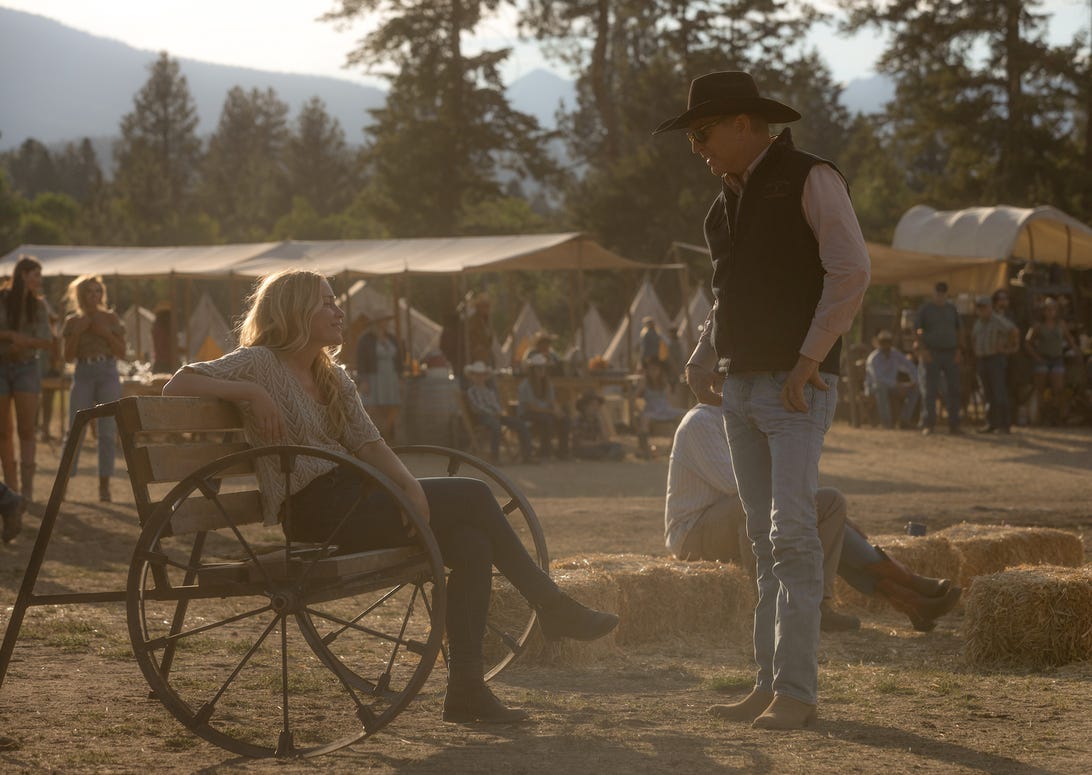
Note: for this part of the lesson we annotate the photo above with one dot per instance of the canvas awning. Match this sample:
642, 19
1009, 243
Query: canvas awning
917, 273
359, 258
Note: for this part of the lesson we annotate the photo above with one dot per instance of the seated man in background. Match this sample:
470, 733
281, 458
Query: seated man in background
591, 437
883, 369
704, 520
485, 409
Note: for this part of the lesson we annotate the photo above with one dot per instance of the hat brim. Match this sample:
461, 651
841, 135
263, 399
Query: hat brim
771, 110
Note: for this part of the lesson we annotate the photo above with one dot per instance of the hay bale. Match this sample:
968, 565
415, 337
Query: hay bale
930, 555
656, 598
986, 549
1032, 617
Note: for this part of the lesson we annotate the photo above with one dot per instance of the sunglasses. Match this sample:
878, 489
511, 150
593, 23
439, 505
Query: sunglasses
701, 133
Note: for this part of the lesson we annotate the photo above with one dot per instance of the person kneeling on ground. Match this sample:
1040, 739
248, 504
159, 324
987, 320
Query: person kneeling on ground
292, 392
704, 520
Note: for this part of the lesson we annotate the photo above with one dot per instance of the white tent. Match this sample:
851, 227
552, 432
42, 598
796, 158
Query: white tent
421, 331
620, 353
597, 333
138, 332
521, 338
1043, 234
208, 332
688, 322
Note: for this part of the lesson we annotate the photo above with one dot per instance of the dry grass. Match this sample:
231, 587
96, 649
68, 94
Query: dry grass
985, 549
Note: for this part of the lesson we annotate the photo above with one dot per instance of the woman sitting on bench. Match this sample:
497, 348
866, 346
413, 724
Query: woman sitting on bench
294, 393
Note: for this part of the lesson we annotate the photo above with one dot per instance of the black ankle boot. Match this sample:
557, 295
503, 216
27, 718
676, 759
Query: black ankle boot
474, 702
563, 617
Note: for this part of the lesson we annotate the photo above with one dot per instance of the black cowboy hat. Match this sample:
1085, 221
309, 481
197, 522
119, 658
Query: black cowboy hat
727, 93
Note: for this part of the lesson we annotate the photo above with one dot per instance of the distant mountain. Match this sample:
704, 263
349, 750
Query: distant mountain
540, 93
60, 84
868, 95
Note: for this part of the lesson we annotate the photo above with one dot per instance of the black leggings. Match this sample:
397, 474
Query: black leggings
471, 530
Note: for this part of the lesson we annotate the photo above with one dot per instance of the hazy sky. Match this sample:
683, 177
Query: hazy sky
286, 36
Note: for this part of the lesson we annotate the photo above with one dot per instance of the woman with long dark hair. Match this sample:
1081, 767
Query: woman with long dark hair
294, 393
94, 337
24, 330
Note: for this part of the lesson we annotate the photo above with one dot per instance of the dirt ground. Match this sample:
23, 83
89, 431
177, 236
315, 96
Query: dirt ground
891, 700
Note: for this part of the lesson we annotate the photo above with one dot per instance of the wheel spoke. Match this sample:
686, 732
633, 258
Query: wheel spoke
174, 637
206, 710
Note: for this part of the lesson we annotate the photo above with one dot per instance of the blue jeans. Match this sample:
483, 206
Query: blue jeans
857, 555
495, 422
20, 377
775, 457
992, 374
884, 394
943, 363
96, 382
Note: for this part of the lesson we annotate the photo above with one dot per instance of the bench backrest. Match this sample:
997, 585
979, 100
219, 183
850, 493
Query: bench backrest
165, 439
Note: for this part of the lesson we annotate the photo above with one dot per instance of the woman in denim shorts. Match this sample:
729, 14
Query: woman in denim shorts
1046, 345
24, 330
94, 338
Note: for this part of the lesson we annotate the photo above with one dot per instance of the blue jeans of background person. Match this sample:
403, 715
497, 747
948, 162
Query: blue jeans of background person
858, 554
96, 382
775, 457
942, 364
495, 422
884, 394
20, 377
992, 372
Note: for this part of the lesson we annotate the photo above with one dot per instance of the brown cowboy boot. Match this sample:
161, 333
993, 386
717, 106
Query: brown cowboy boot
747, 709
923, 611
786, 713
890, 568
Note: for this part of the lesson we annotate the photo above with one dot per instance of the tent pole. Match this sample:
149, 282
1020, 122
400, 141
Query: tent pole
231, 300
408, 342
509, 307
172, 297
186, 305
582, 308
684, 289
136, 311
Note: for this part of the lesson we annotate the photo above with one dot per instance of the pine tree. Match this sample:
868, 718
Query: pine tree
158, 156
982, 112
243, 175
447, 131
319, 166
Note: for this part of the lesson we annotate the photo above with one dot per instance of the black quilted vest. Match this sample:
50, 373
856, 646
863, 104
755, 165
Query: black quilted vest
767, 276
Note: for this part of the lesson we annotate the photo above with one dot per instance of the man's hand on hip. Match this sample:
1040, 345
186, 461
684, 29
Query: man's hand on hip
805, 371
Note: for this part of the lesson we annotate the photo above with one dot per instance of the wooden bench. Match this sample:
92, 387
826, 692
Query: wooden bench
262, 645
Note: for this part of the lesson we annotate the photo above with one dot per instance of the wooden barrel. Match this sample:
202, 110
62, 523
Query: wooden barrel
431, 410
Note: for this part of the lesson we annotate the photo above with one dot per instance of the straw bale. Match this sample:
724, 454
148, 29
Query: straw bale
986, 549
656, 598
1031, 617
930, 555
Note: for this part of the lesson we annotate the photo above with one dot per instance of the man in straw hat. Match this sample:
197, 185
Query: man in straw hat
487, 410
790, 268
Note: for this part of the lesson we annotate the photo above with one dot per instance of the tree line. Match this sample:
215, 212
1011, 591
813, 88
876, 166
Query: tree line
986, 111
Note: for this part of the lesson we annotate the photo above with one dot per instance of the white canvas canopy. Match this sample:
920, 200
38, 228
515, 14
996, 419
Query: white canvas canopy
209, 334
361, 258
421, 331
138, 332
521, 338
646, 303
1043, 234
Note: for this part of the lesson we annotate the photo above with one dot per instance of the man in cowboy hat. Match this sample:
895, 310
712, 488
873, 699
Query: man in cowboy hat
486, 409
790, 268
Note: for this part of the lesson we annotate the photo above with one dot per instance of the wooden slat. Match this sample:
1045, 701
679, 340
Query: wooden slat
173, 463
338, 566
176, 413
197, 513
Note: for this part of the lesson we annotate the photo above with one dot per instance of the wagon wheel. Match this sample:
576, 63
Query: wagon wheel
230, 625
511, 619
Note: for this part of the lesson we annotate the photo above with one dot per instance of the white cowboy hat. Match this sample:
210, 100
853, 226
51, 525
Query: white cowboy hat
477, 367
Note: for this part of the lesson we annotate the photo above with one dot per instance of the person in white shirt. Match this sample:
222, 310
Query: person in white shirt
883, 369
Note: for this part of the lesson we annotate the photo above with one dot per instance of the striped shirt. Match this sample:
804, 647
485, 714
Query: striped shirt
699, 472
992, 336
